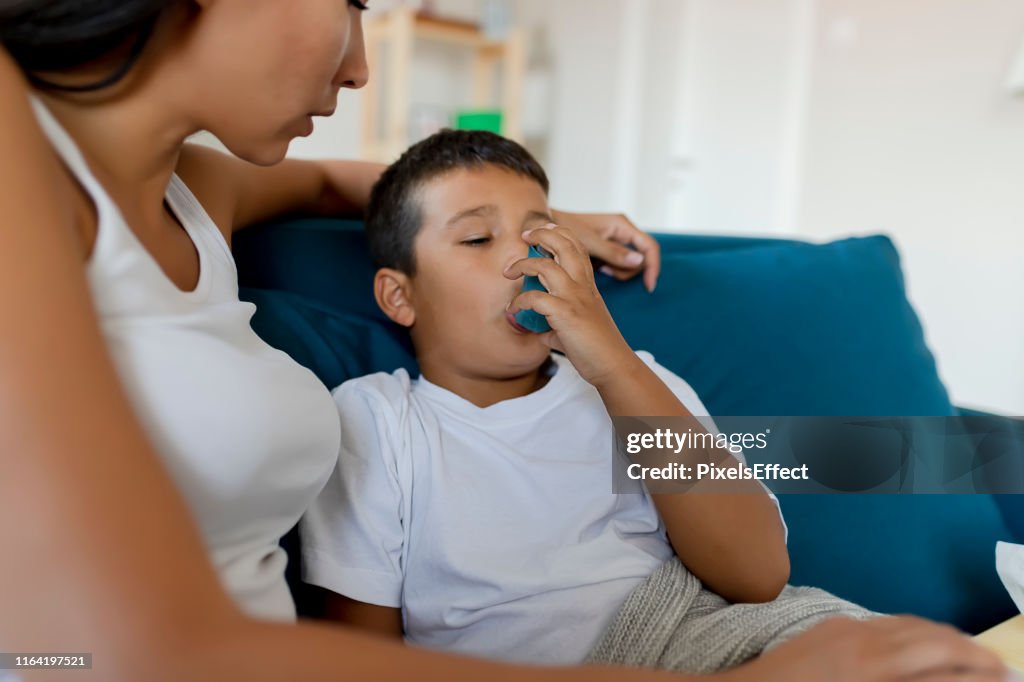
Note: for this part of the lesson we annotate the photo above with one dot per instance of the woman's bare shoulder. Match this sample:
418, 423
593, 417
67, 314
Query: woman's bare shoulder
11, 80
16, 117
30, 167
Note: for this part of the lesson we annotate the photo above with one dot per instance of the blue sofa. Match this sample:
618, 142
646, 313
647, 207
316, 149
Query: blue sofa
758, 327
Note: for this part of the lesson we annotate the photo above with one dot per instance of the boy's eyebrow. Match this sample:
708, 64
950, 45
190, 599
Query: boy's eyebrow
478, 212
489, 209
538, 215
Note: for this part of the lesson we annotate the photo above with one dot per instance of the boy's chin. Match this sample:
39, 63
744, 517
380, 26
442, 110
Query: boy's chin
510, 362
531, 359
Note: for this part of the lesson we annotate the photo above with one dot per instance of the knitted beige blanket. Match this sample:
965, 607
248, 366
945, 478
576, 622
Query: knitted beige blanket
671, 622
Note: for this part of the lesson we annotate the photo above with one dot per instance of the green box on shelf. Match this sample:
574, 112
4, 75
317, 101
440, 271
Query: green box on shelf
479, 119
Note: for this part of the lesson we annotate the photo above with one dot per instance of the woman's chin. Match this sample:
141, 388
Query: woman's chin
268, 154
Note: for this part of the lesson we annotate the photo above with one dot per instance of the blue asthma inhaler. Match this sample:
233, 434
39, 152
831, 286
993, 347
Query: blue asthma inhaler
530, 319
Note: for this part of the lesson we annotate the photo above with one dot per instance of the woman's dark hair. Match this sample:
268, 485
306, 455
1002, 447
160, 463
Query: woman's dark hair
394, 218
59, 35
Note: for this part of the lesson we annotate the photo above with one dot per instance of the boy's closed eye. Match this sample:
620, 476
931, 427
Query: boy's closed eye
476, 241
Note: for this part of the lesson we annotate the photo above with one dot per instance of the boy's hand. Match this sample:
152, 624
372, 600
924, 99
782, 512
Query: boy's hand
582, 327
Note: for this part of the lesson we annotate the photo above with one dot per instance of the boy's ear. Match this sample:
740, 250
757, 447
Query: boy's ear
392, 289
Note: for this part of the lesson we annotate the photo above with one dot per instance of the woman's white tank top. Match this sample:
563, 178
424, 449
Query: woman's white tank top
249, 436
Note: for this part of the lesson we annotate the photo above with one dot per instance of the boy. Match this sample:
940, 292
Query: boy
471, 509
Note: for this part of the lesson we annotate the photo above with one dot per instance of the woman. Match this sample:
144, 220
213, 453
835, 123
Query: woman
121, 336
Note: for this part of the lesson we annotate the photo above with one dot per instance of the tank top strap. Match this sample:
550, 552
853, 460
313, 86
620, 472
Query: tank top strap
73, 159
118, 251
198, 223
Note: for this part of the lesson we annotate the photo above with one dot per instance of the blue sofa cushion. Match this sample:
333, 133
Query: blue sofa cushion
758, 327
787, 328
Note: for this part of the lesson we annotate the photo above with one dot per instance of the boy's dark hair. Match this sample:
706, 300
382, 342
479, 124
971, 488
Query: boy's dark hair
394, 218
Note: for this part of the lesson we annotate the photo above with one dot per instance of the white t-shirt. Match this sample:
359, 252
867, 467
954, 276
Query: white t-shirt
494, 529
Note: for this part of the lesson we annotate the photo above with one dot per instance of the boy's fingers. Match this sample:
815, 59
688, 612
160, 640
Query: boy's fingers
552, 341
567, 250
556, 310
538, 301
552, 275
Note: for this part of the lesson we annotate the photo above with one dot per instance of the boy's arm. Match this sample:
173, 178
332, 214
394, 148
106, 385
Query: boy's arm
382, 620
353, 535
733, 541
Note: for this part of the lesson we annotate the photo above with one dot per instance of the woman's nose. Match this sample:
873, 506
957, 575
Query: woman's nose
354, 71
354, 75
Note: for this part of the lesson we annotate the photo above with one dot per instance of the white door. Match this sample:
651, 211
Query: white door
734, 149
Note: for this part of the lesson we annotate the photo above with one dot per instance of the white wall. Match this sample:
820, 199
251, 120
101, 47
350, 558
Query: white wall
911, 132
731, 132
813, 118
585, 38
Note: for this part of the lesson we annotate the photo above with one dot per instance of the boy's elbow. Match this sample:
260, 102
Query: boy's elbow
763, 582
773, 588
772, 580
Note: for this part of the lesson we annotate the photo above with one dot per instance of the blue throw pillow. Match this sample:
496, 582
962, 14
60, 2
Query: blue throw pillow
787, 328
335, 345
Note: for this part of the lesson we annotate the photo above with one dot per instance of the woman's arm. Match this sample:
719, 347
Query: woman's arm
382, 620
238, 194
98, 553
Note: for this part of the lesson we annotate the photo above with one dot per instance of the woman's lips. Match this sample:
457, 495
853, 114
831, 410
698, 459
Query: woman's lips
515, 325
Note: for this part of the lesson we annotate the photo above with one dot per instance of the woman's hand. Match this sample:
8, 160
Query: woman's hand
582, 327
606, 236
885, 649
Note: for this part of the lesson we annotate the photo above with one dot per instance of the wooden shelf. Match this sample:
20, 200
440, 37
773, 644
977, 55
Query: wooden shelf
452, 32
396, 32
